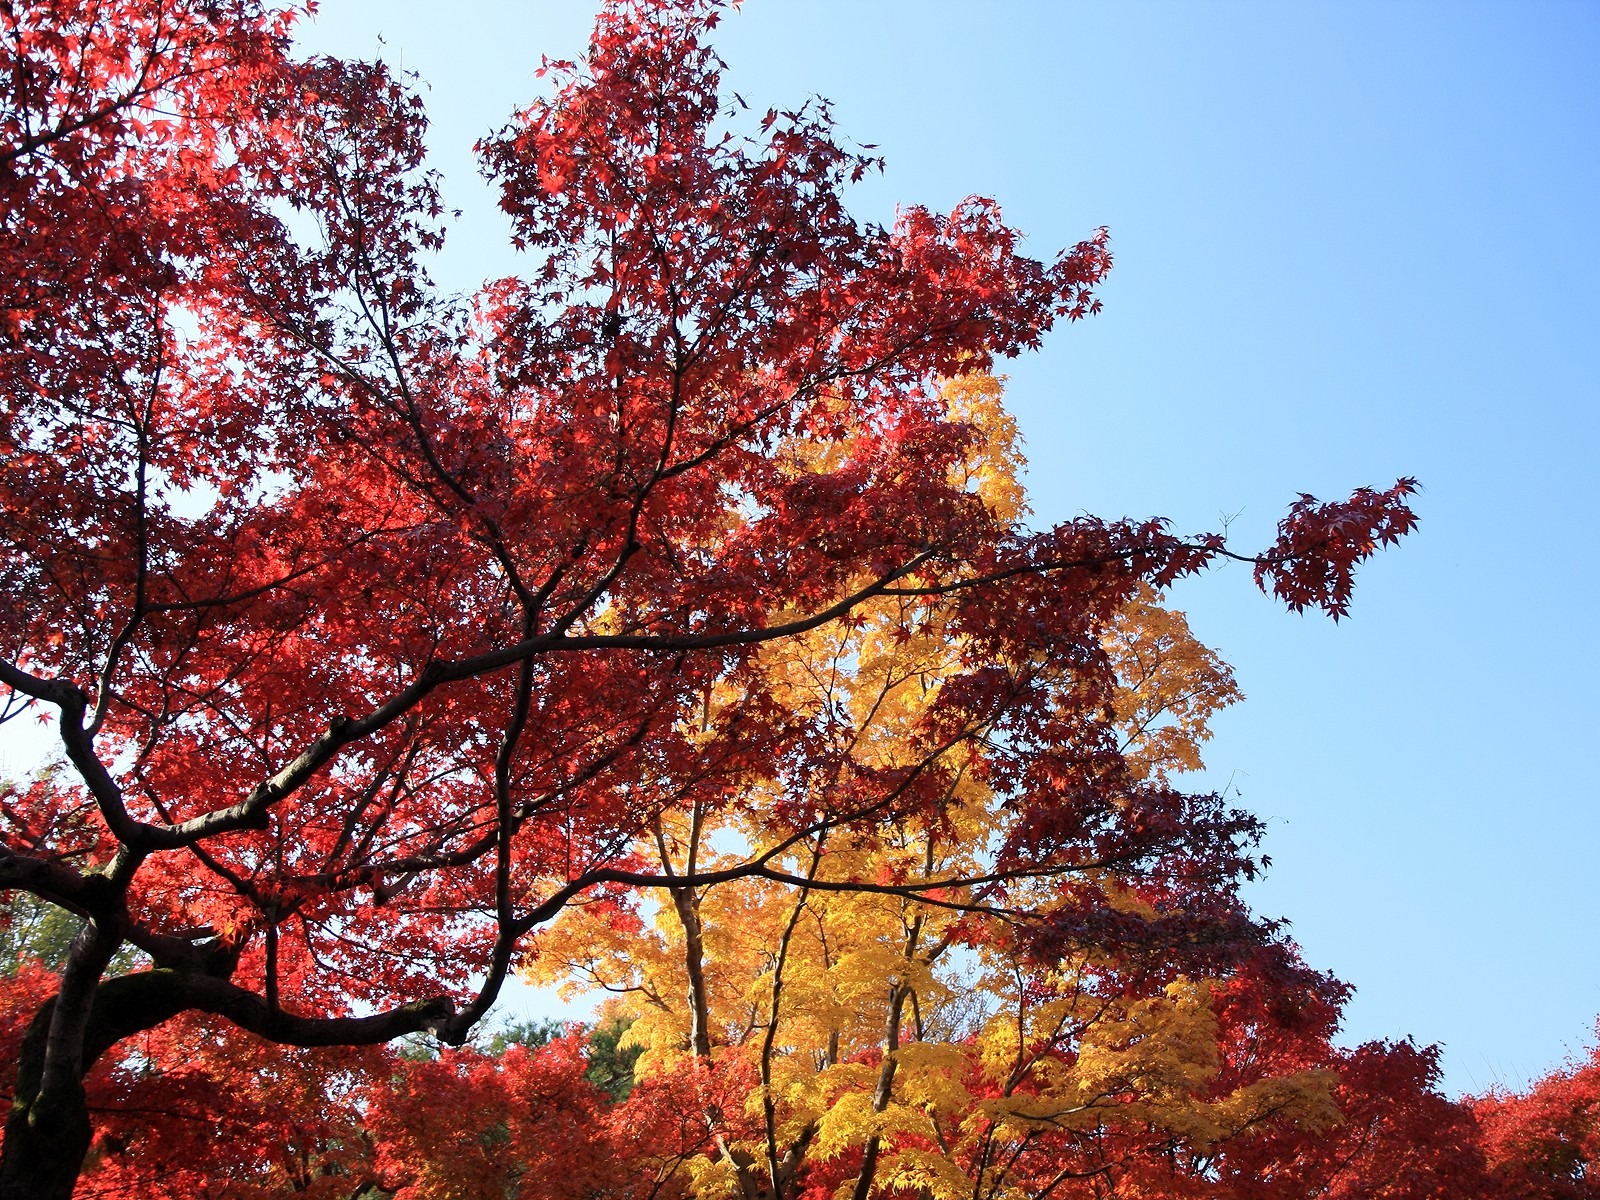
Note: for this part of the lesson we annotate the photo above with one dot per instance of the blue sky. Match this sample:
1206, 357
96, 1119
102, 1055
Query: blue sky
1354, 241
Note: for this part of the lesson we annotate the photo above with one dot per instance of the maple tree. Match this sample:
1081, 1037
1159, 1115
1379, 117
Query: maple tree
377, 626
1544, 1143
1397, 1137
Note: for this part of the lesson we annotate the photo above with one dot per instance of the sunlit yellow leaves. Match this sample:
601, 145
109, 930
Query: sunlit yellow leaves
995, 461
805, 673
1305, 1098
926, 1173
854, 1119
1162, 1050
1169, 686
930, 1076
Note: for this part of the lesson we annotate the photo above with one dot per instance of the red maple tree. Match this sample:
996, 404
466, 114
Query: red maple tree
1544, 1143
374, 622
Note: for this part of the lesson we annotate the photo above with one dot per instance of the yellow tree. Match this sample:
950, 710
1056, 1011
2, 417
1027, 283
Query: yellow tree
885, 1009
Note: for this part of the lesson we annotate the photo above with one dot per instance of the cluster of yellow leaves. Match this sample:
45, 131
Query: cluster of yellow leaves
993, 462
992, 467
1168, 687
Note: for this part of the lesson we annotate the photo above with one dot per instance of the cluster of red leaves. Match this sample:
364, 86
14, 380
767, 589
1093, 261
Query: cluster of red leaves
1319, 545
197, 1109
1544, 1143
1398, 1138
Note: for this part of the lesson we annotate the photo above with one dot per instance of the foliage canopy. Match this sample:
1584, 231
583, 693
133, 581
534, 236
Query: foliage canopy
379, 626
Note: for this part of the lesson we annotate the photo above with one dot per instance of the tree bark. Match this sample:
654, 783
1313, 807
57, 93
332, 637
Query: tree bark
46, 1137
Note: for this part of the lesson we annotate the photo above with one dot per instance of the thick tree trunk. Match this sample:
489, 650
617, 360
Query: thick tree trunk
46, 1138
44, 1149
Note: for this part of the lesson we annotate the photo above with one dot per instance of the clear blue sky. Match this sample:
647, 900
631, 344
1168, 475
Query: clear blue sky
1354, 241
